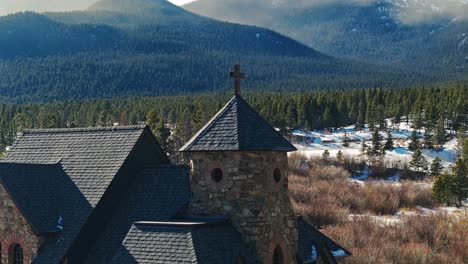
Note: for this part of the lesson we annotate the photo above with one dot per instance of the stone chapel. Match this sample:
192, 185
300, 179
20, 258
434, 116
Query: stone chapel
110, 195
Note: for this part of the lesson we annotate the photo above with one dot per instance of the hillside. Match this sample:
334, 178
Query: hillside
380, 31
160, 49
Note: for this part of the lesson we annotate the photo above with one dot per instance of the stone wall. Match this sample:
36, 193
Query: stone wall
14, 229
258, 203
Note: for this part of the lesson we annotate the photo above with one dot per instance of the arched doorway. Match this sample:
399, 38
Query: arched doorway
278, 256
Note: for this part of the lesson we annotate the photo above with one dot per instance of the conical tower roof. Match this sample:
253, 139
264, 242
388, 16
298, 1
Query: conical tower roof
237, 127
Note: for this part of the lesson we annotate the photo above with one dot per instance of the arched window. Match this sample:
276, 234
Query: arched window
278, 257
16, 254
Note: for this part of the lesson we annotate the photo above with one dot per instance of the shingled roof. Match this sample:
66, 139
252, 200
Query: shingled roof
91, 157
37, 191
181, 242
237, 127
313, 245
158, 193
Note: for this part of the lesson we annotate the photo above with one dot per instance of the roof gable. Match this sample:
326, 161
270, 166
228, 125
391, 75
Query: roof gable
37, 192
237, 127
157, 194
90, 157
180, 242
314, 245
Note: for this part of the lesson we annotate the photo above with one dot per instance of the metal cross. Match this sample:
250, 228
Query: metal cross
237, 75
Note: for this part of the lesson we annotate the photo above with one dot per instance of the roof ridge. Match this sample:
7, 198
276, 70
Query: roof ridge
31, 163
83, 129
210, 123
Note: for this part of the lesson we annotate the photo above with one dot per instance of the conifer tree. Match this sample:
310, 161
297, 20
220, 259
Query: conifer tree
162, 134
326, 155
440, 134
339, 156
428, 138
452, 188
436, 166
418, 162
389, 142
465, 151
414, 142
376, 149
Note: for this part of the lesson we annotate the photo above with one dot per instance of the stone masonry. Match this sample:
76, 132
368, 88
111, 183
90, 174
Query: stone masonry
14, 229
258, 203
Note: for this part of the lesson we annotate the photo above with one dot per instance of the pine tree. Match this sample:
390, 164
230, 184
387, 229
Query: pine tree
440, 134
363, 147
414, 142
326, 155
461, 137
376, 149
464, 155
162, 134
152, 118
428, 138
339, 156
418, 161
389, 142
452, 188
345, 140
436, 166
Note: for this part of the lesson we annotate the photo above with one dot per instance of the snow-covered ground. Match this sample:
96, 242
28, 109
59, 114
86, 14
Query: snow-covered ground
333, 142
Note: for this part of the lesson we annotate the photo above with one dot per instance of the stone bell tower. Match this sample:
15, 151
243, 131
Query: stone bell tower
239, 168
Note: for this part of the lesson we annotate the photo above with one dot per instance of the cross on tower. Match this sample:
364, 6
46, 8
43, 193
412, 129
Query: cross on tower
237, 75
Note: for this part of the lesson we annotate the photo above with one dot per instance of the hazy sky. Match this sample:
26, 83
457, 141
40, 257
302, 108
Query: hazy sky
412, 13
11, 6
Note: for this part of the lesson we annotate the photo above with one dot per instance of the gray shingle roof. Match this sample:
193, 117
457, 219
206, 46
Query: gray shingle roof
157, 194
204, 243
312, 242
37, 191
237, 127
90, 157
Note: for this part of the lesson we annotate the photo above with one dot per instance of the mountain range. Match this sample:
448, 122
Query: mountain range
152, 47
430, 36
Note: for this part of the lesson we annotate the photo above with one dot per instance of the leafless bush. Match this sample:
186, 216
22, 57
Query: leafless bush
427, 239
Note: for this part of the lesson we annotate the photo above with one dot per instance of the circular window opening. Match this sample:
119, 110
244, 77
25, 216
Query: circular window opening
217, 175
277, 175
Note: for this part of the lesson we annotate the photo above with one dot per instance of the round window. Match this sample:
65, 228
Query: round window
217, 175
277, 175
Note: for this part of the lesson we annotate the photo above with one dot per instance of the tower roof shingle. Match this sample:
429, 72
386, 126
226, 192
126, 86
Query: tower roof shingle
237, 127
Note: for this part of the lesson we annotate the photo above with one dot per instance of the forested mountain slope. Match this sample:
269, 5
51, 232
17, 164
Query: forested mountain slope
151, 47
416, 34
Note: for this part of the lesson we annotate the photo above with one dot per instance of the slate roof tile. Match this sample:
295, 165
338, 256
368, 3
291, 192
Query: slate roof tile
37, 190
172, 243
157, 194
237, 127
311, 240
90, 157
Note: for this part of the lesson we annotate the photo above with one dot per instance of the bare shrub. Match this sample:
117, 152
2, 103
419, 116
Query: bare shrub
382, 199
429, 239
298, 164
328, 173
413, 195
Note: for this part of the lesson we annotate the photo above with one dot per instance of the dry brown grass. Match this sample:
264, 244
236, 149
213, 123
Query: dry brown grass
327, 201
323, 196
428, 239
